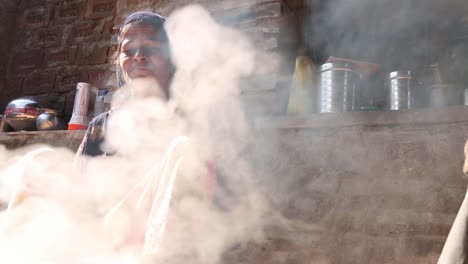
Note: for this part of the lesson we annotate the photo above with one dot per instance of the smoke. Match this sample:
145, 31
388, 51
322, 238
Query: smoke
154, 199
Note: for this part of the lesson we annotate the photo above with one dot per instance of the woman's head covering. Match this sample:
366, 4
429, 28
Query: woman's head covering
145, 17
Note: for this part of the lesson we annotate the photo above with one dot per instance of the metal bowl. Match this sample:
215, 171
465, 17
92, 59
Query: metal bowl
49, 120
21, 113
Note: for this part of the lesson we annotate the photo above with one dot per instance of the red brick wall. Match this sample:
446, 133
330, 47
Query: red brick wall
59, 43
8, 12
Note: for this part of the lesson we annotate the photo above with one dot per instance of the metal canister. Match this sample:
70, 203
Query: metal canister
400, 94
338, 88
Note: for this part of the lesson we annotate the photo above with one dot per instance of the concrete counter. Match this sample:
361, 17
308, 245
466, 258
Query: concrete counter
57, 138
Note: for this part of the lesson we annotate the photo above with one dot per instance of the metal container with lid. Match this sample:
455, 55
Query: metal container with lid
400, 95
338, 90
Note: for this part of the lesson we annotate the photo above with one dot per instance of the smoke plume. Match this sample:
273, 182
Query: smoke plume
154, 199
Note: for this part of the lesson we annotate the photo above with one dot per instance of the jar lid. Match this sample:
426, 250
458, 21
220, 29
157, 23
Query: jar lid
337, 65
399, 74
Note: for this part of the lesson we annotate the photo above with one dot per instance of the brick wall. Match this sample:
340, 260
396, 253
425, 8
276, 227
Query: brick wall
59, 43
8, 12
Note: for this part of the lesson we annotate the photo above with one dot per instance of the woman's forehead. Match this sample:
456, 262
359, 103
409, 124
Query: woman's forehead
138, 31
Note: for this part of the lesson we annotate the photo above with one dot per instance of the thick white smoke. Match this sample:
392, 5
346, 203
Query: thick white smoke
150, 200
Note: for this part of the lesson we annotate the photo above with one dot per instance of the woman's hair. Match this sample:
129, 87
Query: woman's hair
142, 18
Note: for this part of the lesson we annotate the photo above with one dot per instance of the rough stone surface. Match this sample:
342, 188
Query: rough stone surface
368, 193
67, 78
64, 138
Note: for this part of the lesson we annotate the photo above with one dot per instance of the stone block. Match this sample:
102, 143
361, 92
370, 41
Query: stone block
92, 54
3, 29
269, 25
60, 56
98, 77
27, 61
39, 82
35, 18
85, 32
14, 86
69, 11
47, 37
96, 9
38, 3
268, 10
69, 102
67, 78
8, 4
110, 54
423, 246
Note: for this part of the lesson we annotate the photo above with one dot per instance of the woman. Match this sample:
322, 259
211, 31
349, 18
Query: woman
142, 53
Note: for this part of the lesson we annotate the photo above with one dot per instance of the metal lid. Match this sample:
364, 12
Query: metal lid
337, 65
23, 102
399, 74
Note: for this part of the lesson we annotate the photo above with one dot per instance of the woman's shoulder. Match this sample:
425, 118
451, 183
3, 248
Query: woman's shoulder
100, 119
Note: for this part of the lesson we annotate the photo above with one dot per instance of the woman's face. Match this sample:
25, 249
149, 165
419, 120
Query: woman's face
142, 55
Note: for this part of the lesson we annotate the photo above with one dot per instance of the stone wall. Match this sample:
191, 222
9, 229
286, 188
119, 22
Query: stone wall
59, 43
362, 188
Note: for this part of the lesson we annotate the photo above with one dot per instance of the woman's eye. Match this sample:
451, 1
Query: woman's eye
130, 52
143, 51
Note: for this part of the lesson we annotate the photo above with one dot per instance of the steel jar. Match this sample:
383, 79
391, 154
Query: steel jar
400, 94
338, 90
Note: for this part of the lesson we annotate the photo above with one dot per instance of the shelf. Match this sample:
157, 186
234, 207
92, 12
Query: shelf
449, 114
57, 138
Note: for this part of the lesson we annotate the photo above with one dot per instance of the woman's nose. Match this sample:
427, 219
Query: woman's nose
140, 54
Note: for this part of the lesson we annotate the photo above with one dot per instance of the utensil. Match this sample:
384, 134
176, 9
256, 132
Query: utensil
302, 98
21, 113
49, 120
338, 87
400, 94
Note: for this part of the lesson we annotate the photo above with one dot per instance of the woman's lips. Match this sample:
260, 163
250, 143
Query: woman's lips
142, 72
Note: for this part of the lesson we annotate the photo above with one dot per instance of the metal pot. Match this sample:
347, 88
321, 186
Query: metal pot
49, 120
338, 87
21, 113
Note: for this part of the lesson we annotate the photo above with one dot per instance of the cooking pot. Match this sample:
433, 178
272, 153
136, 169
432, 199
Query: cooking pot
21, 113
49, 120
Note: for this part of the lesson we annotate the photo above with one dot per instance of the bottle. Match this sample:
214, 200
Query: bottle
303, 96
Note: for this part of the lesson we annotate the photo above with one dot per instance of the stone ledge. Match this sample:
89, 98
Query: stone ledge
57, 138
449, 114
